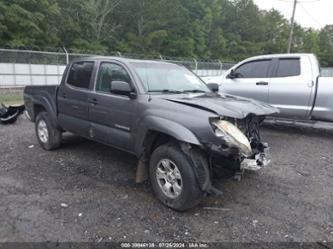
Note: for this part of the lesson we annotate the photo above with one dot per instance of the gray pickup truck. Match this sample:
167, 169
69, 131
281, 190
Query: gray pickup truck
181, 129
290, 82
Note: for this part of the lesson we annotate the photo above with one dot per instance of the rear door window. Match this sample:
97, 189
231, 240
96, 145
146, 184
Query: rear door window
254, 69
80, 74
288, 67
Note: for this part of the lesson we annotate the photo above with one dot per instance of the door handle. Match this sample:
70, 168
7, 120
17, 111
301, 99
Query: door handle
262, 83
63, 95
93, 101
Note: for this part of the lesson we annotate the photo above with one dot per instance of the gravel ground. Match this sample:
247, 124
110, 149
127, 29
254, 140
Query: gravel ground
87, 192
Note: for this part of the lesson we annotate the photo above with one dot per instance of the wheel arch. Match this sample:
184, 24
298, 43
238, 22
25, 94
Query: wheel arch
37, 108
192, 148
42, 104
153, 128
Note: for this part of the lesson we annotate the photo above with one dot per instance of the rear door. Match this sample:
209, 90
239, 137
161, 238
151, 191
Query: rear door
111, 114
73, 107
291, 86
252, 81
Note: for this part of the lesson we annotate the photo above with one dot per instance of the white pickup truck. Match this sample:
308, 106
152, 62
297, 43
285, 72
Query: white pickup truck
290, 82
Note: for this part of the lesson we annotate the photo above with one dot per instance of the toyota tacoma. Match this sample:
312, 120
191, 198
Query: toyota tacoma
181, 130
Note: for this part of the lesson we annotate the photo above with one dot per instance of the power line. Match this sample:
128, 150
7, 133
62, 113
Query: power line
292, 23
310, 15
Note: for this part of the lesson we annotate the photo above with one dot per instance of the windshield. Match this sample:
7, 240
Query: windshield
164, 77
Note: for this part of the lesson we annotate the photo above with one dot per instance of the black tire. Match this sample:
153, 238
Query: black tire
53, 140
191, 193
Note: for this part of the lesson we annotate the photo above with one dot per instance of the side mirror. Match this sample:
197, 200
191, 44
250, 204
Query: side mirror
232, 75
213, 86
121, 87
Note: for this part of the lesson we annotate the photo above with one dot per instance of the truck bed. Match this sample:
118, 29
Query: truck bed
323, 106
39, 94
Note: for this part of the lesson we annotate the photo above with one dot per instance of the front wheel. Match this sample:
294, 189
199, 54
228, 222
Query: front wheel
173, 179
48, 136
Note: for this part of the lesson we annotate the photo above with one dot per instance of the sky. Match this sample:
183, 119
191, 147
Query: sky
309, 13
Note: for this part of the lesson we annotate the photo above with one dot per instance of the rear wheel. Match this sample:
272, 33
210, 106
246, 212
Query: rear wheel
48, 136
173, 179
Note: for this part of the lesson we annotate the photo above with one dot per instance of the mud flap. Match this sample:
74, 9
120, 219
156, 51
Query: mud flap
202, 168
141, 170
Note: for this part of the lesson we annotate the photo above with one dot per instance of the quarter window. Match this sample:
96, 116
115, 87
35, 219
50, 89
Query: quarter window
109, 72
288, 67
80, 74
253, 69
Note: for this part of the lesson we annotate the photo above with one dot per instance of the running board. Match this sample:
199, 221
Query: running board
299, 123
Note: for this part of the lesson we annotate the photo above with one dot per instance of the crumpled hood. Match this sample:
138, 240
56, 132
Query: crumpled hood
224, 105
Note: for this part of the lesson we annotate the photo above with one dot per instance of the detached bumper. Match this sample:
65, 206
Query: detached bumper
260, 161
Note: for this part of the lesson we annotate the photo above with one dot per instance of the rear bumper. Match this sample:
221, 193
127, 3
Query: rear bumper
259, 161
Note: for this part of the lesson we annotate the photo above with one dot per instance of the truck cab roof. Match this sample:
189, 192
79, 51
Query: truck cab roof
269, 56
117, 58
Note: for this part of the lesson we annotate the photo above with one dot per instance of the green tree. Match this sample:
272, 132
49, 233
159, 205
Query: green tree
326, 46
223, 29
311, 41
87, 25
154, 27
276, 32
28, 22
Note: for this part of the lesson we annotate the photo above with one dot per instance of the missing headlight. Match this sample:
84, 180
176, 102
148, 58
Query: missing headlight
231, 135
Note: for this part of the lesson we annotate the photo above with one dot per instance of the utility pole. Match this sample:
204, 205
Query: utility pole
291, 36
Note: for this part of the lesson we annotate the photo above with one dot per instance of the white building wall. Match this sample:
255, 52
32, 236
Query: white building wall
18, 75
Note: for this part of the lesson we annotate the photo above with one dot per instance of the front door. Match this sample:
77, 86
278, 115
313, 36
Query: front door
111, 114
251, 81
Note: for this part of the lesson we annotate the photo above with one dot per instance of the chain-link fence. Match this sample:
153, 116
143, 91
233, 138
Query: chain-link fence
25, 67
21, 67
326, 72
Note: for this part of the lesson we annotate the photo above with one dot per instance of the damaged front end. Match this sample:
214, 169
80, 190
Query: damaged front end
241, 147
260, 156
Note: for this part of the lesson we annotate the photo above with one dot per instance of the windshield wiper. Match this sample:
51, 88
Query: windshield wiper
194, 91
177, 91
165, 91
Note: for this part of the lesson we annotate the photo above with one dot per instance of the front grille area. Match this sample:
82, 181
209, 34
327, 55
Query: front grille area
250, 126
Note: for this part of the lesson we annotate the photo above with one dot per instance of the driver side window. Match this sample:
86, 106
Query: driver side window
253, 69
109, 72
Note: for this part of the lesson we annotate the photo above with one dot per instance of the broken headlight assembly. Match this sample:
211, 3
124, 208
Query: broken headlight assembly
233, 136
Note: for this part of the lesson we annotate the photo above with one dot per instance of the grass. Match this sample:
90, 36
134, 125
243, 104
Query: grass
11, 99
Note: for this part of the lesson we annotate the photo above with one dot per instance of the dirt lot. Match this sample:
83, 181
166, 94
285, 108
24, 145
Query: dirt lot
86, 192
